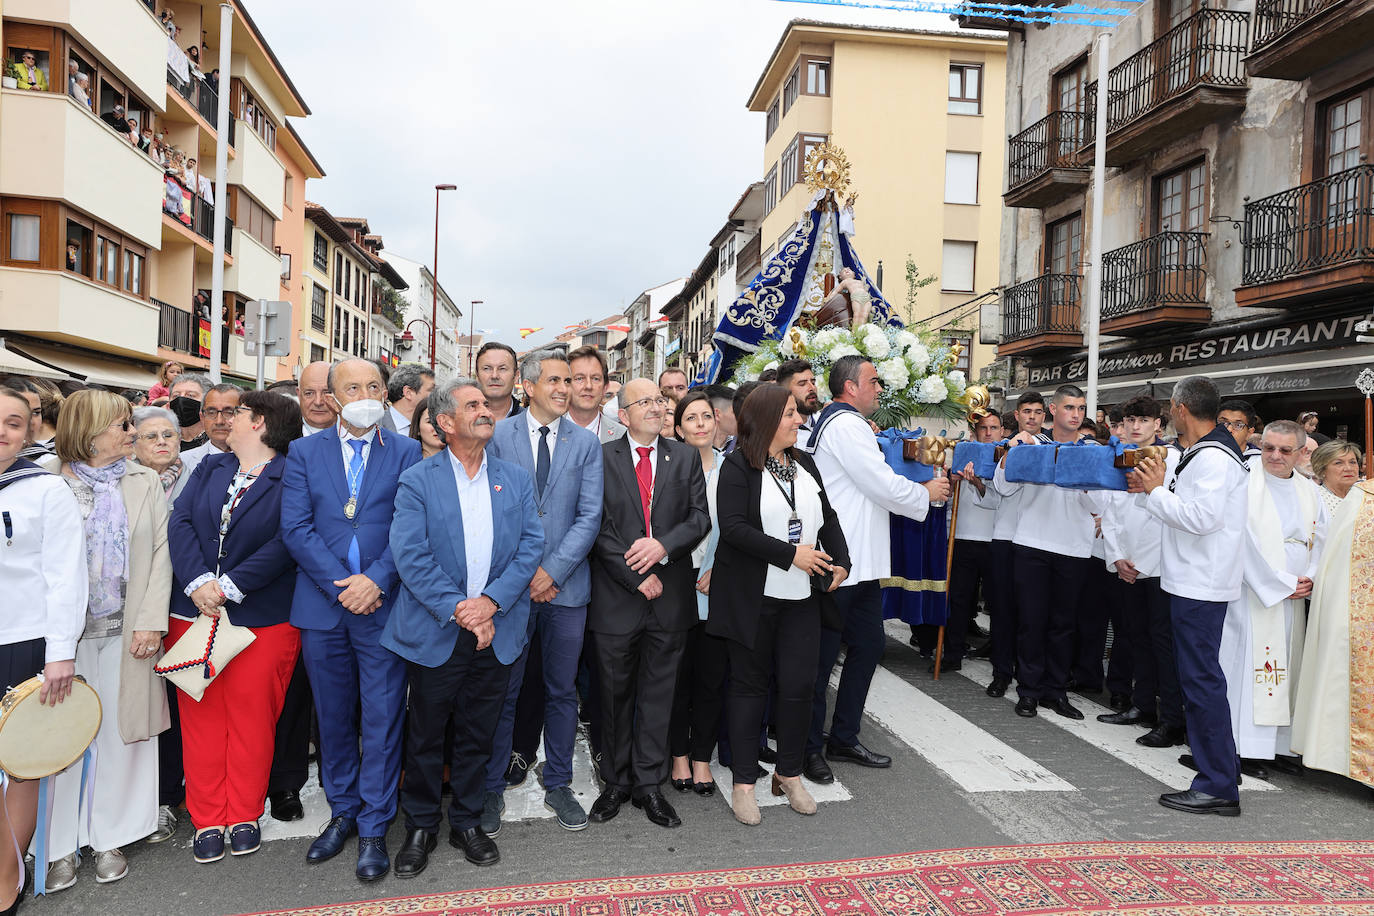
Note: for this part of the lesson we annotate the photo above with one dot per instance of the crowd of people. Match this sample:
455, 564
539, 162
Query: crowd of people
435, 574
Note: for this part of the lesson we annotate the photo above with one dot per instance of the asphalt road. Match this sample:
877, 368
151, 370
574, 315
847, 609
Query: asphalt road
967, 772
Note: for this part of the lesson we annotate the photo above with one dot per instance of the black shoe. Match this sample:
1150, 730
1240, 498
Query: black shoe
1162, 736
373, 862
413, 855
1200, 803
1063, 707
285, 806
998, 687
704, 789
331, 840
682, 785
607, 805
1256, 768
817, 770
1129, 716
658, 810
517, 771
478, 848
1025, 707
767, 754
1120, 702
857, 753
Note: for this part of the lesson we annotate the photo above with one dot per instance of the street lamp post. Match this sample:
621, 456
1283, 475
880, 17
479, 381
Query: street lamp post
434, 305
472, 317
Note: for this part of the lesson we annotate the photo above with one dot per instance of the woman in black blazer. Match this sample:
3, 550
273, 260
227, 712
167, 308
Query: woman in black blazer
774, 519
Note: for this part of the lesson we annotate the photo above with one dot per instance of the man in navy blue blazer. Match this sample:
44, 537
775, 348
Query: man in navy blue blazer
467, 540
338, 497
565, 462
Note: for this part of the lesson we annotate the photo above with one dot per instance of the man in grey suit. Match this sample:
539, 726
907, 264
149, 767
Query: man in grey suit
588, 394
565, 462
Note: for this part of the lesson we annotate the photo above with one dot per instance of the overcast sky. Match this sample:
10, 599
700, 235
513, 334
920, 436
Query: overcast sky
597, 144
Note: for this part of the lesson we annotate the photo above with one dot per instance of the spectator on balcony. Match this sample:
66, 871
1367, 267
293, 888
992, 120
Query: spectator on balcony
74, 257
27, 73
133, 131
203, 185
79, 88
167, 18
193, 58
212, 80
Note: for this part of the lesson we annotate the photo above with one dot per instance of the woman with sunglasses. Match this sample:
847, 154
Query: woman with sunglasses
124, 510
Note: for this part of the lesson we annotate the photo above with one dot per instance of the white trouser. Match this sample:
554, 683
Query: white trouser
123, 795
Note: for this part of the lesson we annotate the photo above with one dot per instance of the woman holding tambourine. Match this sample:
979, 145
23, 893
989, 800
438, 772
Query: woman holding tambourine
228, 556
43, 566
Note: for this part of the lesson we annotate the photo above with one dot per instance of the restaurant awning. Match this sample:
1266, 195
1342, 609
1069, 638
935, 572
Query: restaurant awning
86, 367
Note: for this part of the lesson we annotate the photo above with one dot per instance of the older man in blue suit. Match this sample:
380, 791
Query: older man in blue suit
565, 461
467, 542
338, 497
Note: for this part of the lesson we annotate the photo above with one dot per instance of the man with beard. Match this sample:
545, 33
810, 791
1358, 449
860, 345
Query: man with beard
797, 376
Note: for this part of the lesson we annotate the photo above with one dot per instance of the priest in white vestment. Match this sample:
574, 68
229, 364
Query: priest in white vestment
1262, 639
1329, 731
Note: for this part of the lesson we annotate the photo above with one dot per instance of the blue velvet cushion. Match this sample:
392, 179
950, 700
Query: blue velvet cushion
1031, 463
980, 453
891, 442
1088, 466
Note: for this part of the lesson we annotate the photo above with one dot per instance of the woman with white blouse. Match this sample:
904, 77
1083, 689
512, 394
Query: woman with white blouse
782, 552
43, 566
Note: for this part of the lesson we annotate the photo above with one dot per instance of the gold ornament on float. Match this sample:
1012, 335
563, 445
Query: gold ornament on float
827, 169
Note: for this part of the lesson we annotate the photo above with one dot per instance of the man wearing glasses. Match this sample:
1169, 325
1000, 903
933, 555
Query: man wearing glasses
28, 75
643, 599
864, 491
1262, 638
217, 413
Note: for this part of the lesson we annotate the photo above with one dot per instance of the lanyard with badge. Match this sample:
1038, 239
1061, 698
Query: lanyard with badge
794, 523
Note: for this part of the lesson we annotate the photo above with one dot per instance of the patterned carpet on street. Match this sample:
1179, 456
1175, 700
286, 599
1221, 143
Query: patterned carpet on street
1158, 879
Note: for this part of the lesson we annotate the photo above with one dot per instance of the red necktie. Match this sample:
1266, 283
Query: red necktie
645, 473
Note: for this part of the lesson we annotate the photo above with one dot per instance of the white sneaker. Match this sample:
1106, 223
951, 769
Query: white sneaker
110, 865
61, 874
166, 825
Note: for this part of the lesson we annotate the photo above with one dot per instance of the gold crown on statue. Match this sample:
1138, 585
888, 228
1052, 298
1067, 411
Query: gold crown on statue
827, 169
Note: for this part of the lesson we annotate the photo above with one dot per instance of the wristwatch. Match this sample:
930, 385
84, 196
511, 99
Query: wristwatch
493, 601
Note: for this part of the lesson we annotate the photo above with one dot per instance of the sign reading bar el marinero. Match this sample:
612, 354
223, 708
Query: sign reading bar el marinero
1206, 348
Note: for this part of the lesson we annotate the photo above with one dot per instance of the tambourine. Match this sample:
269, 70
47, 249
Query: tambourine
38, 740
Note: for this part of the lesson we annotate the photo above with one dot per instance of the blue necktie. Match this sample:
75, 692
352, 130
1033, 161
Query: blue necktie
541, 465
355, 484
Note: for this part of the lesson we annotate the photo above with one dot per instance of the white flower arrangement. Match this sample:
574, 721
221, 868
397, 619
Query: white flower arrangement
917, 370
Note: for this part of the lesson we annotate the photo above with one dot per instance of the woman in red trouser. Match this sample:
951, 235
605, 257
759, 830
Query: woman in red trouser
228, 556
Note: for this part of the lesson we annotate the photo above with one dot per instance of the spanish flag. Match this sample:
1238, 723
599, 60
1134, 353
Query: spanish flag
526, 332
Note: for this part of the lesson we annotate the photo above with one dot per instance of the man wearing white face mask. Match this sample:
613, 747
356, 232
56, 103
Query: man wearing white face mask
338, 496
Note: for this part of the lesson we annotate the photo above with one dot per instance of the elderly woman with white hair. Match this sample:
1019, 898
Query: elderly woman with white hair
157, 446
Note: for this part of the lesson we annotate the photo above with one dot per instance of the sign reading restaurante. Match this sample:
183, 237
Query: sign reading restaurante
1208, 347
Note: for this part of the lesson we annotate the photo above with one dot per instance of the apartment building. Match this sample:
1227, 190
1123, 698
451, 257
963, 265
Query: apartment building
451, 352
297, 287
1236, 203
360, 291
646, 342
925, 160
106, 266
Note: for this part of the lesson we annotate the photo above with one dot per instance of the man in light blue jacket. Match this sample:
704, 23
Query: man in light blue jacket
466, 541
565, 462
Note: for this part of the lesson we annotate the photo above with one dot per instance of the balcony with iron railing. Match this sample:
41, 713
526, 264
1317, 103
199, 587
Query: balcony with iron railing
1310, 244
1041, 314
1186, 79
1294, 38
1043, 166
196, 213
200, 97
176, 328
1158, 282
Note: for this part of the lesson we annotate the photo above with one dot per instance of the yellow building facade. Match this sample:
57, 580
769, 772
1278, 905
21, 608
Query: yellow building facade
920, 116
